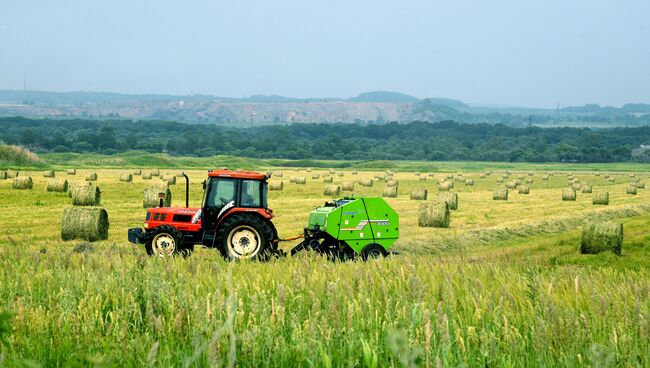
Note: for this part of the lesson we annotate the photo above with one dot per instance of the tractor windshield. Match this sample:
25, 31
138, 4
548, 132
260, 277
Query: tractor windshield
220, 192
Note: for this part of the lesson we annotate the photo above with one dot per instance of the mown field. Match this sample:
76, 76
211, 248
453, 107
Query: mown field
504, 285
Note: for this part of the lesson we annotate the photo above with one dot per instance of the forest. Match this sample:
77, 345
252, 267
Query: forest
439, 141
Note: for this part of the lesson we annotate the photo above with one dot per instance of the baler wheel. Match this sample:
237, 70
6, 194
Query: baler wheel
373, 251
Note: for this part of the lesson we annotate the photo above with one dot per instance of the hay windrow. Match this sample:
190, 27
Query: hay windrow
434, 214
91, 177
601, 198
126, 178
332, 190
276, 185
390, 192
568, 195
151, 197
599, 237
89, 224
86, 195
419, 194
57, 185
22, 182
347, 186
500, 194
71, 171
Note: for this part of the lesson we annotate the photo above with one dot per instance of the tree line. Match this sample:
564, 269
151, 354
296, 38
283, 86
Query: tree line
440, 141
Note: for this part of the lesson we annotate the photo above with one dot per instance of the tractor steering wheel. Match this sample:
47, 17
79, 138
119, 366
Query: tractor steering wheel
223, 201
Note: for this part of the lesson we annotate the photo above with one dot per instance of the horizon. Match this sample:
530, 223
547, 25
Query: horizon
533, 55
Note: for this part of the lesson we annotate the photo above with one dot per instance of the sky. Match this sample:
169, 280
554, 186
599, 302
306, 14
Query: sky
518, 52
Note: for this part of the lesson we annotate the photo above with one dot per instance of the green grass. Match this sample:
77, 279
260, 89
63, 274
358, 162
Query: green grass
503, 286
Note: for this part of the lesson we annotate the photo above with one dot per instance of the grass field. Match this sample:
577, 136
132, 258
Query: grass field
503, 286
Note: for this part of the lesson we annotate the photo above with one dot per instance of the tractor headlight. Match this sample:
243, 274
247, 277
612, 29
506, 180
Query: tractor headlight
146, 225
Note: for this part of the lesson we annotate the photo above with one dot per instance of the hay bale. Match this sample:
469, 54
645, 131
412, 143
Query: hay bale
601, 237
86, 195
347, 186
151, 197
520, 177
146, 176
601, 198
434, 214
530, 173
445, 186
612, 179
576, 186
137, 172
355, 172
524, 189
12, 174
328, 179
365, 182
451, 198
450, 177
74, 186
155, 172
57, 185
3, 175
126, 178
277, 185
545, 177
49, 174
585, 188
89, 224
340, 173
315, 176
171, 180
499, 180
511, 185
529, 181
22, 182
423, 178
91, 177
180, 173
640, 185
631, 175
500, 194
568, 195
71, 171
419, 194
469, 182
597, 174
631, 190
392, 183
277, 174
482, 176
390, 192
331, 171
332, 190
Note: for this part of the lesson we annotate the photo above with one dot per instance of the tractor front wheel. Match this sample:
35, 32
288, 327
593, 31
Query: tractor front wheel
165, 242
245, 236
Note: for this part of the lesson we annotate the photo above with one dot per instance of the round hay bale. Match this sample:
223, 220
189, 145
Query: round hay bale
500, 194
631, 190
146, 176
331, 171
126, 178
612, 179
180, 173
340, 173
57, 185
171, 180
508, 172
482, 176
299, 180
86, 195
315, 176
423, 178
597, 174
3, 175
327, 179
524, 189
392, 183
151, 197
445, 186
390, 192
332, 190
568, 195
576, 186
22, 182
530, 173
91, 177
137, 172
529, 181
631, 175
419, 194
450, 177
365, 182
545, 177
89, 224
430, 175
640, 185
12, 174
434, 214
277, 174
417, 173
600, 237
451, 198
277, 185
469, 182
74, 186
586, 188
309, 169
49, 174
155, 172
520, 177
347, 186
71, 171
355, 172
511, 185
601, 198
499, 180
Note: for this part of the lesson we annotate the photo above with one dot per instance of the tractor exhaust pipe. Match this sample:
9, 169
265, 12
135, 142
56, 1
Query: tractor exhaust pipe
187, 191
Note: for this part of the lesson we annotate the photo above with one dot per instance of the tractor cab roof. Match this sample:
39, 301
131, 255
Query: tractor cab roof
238, 174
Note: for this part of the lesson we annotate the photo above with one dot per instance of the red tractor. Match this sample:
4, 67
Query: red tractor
234, 218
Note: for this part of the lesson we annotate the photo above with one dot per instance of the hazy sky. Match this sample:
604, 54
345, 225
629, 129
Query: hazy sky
519, 52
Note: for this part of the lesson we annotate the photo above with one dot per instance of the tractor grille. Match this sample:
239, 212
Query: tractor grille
182, 218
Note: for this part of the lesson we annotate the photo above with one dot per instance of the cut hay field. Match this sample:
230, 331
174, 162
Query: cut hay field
504, 285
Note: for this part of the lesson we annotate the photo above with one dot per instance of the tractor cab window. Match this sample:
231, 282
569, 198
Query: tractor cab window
251, 193
221, 192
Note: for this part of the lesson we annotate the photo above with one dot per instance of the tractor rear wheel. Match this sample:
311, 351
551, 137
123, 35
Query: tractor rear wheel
373, 251
166, 241
245, 236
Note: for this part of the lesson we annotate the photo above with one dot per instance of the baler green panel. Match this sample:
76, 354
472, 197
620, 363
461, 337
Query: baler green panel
319, 217
384, 220
369, 220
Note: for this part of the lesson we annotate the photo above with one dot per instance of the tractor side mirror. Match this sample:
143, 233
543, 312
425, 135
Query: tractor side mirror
205, 184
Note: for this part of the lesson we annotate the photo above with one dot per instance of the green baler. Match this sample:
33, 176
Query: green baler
351, 226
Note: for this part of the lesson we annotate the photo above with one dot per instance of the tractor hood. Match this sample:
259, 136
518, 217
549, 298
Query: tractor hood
182, 218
